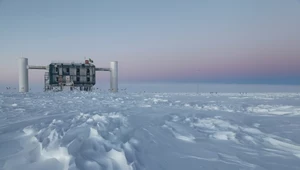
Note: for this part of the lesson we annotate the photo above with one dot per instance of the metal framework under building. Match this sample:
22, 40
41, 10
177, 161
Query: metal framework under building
67, 75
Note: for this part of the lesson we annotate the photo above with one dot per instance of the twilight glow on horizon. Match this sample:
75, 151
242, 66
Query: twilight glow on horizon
232, 41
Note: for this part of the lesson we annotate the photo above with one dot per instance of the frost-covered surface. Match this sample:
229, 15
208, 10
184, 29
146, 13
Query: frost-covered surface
96, 131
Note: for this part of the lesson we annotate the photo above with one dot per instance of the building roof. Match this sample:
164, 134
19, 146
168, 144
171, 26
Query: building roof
73, 63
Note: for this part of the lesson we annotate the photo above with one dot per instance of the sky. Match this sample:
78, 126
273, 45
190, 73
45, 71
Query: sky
168, 41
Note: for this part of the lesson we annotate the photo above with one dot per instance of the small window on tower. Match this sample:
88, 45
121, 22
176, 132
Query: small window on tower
88, 79
77, 78
68, 70
57, 79
56, 69
88, 71
77, 71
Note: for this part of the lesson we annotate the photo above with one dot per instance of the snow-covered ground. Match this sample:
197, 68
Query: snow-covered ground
170, 131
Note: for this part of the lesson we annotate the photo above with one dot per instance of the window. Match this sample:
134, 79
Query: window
57, 79
88, 71
77, 71
77, 78
68, 70
88, 79
56, 69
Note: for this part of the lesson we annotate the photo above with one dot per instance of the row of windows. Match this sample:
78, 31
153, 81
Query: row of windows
88, 79
77, 71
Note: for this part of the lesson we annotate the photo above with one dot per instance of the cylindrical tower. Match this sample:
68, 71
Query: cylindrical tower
23, 74
114, 76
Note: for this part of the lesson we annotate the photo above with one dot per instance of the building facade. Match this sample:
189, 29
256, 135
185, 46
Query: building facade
80, 76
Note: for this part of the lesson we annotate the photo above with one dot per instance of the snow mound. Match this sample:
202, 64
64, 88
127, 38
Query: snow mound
274, 110
85, 141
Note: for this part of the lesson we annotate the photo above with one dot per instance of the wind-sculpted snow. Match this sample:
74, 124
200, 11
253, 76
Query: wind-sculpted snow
101, 131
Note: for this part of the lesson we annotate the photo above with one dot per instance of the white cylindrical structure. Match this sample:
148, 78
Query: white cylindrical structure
23, 75
114, 76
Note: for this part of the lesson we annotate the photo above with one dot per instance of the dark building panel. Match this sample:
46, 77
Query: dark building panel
76, 74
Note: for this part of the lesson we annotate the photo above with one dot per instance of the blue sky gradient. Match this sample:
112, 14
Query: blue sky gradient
232, 41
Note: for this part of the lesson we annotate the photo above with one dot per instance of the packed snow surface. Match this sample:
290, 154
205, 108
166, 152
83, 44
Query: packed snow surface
149, 131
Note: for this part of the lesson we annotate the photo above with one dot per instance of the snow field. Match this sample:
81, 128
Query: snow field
94, 131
